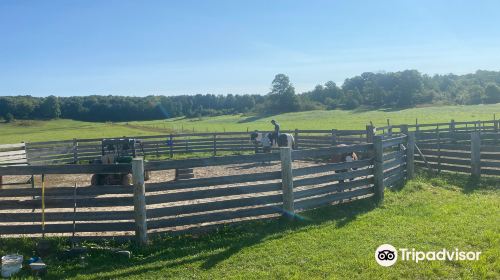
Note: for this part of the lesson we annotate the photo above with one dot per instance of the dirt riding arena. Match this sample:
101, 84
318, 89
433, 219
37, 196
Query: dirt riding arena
163, 178
83, 180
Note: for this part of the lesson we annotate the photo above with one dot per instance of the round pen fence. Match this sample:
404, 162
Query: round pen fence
466, 147
167, 146
227, 189
305, 180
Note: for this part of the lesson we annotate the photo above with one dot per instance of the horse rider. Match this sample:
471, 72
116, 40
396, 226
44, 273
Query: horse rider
276, 131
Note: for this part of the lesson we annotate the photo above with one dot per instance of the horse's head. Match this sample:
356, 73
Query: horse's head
256, 137
253, 136
344, 157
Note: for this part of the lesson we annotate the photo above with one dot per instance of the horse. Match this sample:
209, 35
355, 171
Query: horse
344, 157
265, 139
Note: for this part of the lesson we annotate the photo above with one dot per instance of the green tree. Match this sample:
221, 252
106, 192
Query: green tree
410, 86
474, 98
50, 108
24, 107
282, 95
9, 118
492, 92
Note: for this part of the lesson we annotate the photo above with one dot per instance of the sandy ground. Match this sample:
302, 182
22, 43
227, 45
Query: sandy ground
55, 181
161, 176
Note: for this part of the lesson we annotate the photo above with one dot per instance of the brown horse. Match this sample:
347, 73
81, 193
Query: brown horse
344, 157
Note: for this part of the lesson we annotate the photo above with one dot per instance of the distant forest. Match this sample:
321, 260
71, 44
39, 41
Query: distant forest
402, 89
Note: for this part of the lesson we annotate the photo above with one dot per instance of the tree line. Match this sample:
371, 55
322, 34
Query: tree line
401, 89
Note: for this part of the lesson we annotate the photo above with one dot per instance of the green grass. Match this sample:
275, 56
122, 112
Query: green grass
340, 119
33, 131
336, 242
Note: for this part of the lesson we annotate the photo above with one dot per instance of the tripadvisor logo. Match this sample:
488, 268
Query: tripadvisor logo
387, 255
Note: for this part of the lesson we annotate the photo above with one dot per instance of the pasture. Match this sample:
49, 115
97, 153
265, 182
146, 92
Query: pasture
430, 212
33, 131
336, 242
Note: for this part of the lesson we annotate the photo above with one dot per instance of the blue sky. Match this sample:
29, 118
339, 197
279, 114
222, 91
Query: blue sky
83, 47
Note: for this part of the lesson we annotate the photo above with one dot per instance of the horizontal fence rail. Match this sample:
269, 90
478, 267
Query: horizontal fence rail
169, 145
460, 152
21, 210
176, 206
386, 158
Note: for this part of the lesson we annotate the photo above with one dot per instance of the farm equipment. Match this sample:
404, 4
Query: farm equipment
115, 151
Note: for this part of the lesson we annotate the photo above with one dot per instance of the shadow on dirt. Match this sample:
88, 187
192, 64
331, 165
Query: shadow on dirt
252, 165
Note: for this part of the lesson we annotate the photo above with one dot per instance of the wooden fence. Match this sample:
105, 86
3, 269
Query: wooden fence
81, 150
13, 155
163, 146
452, 126
469, 147
172, 206
475, 153
177, 206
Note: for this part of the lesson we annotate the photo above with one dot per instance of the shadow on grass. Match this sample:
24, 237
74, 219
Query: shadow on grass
466, 183
256, 118
204, 250
394, 109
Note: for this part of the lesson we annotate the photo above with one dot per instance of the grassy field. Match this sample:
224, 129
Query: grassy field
336, 242
339, 119
31, 131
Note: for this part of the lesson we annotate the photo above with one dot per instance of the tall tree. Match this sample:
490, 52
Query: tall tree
492, 92
282, 95
50, 108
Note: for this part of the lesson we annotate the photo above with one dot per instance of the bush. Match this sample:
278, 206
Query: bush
332, 104
351, 103
9, 118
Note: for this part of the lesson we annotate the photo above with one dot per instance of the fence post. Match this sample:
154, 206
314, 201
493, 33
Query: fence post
171, 146
439, 150
334, 137
296, 138
287, 182
370, 132
378, 169
410, 155
475, 153
75, 150
496, 124
215, 144
404, 129
141, 228
452, 131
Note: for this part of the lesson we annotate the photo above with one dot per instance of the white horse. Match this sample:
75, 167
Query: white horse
265, 139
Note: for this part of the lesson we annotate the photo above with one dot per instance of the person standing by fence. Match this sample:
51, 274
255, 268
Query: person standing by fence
276, 132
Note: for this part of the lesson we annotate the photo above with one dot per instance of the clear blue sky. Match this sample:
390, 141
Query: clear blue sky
82, 47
